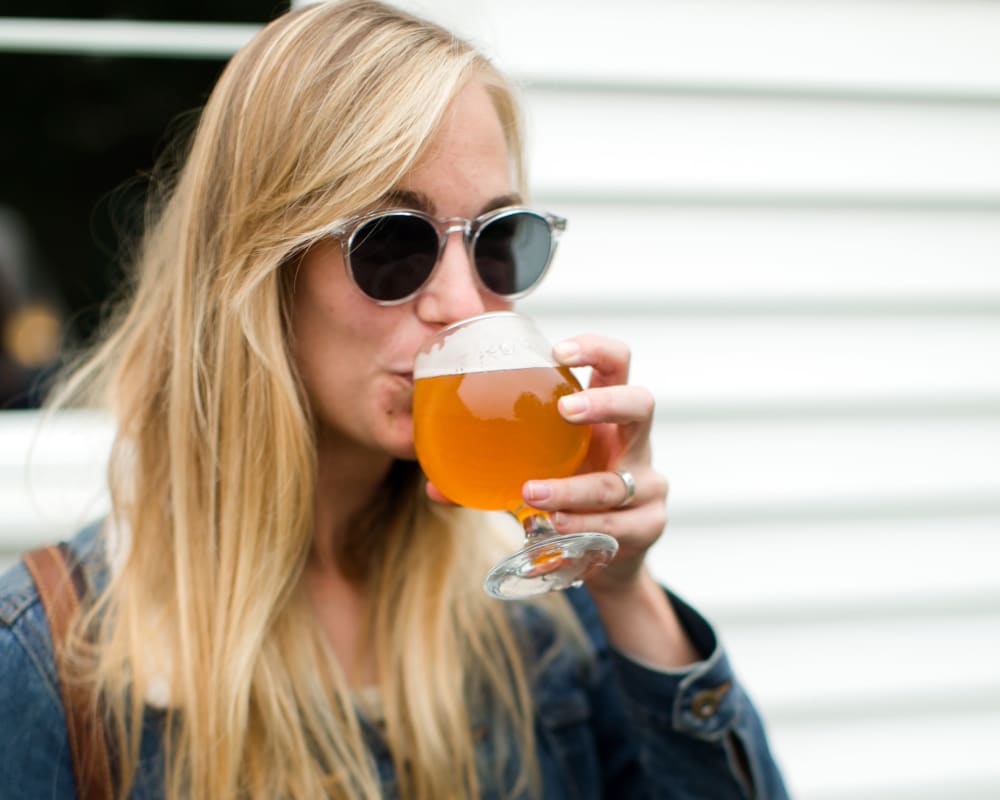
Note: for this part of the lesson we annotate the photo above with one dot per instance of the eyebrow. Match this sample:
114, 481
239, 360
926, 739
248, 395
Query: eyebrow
513, 199
406, 198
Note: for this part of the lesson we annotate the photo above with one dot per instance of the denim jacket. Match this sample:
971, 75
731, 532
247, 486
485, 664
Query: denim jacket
610, 728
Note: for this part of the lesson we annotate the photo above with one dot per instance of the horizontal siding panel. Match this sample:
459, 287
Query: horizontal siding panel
124, 37
928, 757
921, 757
868, 668
605, 142
772, 467
827, 688
749, 575
52, 474
68, 438
861, 47
857, 44
40, 513
622, 253
730, 362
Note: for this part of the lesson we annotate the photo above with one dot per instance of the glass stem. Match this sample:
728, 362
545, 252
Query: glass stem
536, 524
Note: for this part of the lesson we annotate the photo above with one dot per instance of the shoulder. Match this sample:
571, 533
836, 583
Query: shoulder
34, 747
25, 645
26, 655
18, 595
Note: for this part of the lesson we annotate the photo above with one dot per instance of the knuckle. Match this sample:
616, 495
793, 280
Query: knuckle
648, 402
607, 403
566, 522
613, 351
625, 354
659, 517
582, 523
609, 489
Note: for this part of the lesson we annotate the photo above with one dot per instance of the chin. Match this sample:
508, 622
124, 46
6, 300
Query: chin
405, 454
397, 440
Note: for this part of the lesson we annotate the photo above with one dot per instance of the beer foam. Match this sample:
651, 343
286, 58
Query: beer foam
510, 345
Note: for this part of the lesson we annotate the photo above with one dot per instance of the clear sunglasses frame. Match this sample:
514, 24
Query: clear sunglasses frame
470, 230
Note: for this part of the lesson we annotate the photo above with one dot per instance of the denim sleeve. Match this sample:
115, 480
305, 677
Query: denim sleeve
688, 734
34, 748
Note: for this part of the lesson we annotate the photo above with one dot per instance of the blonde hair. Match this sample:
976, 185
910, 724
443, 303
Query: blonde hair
213, 468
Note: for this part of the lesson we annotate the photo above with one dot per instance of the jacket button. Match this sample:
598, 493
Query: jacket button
705, 703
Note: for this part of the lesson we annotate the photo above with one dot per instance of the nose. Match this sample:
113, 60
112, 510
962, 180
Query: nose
454, 292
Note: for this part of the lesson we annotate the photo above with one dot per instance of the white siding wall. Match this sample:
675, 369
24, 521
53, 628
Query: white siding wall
792, 212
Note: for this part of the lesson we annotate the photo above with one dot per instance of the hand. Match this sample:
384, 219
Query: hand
622, 418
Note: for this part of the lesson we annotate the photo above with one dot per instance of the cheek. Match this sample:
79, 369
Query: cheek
330, 350
320, 315
339, 344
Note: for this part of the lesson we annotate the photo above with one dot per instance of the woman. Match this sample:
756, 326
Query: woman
284, 608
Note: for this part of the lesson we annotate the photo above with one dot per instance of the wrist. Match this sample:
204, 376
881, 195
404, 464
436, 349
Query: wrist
639, 587
641, 623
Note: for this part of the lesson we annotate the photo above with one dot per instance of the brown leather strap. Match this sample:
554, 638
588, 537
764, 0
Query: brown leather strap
60, 589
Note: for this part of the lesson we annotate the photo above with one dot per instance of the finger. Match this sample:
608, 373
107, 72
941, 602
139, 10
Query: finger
595, 491
609, 358
620, 404
632, 527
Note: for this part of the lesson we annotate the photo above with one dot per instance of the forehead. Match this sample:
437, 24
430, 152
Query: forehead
409, 199
467, 161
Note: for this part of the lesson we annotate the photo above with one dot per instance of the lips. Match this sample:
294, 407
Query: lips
403, 380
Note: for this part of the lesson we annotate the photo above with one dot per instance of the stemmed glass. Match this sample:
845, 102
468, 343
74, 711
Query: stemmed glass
485, 421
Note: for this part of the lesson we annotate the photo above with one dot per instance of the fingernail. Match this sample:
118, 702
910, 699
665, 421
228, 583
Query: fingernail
567, 352
559, 520
573, 405
537, 490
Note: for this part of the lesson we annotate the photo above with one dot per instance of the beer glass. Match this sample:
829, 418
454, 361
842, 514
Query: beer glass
485, 421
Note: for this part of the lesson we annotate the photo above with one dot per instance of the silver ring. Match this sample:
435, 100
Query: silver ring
629, 482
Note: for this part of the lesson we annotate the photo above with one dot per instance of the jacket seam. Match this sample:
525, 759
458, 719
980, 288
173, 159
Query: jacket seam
38, 662
16, 601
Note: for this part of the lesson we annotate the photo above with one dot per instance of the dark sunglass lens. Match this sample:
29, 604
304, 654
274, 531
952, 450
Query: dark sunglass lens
392, 256
512, 252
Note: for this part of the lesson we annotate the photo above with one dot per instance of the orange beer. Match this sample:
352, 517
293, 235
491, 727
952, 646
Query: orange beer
480, 435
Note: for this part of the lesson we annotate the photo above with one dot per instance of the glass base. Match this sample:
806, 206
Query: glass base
554, 563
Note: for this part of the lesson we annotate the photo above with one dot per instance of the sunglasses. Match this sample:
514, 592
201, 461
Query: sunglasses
391, 255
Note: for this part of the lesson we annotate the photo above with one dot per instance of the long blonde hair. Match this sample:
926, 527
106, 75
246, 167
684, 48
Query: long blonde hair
213, 468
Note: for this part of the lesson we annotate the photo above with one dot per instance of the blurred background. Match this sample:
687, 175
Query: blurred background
790, 210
